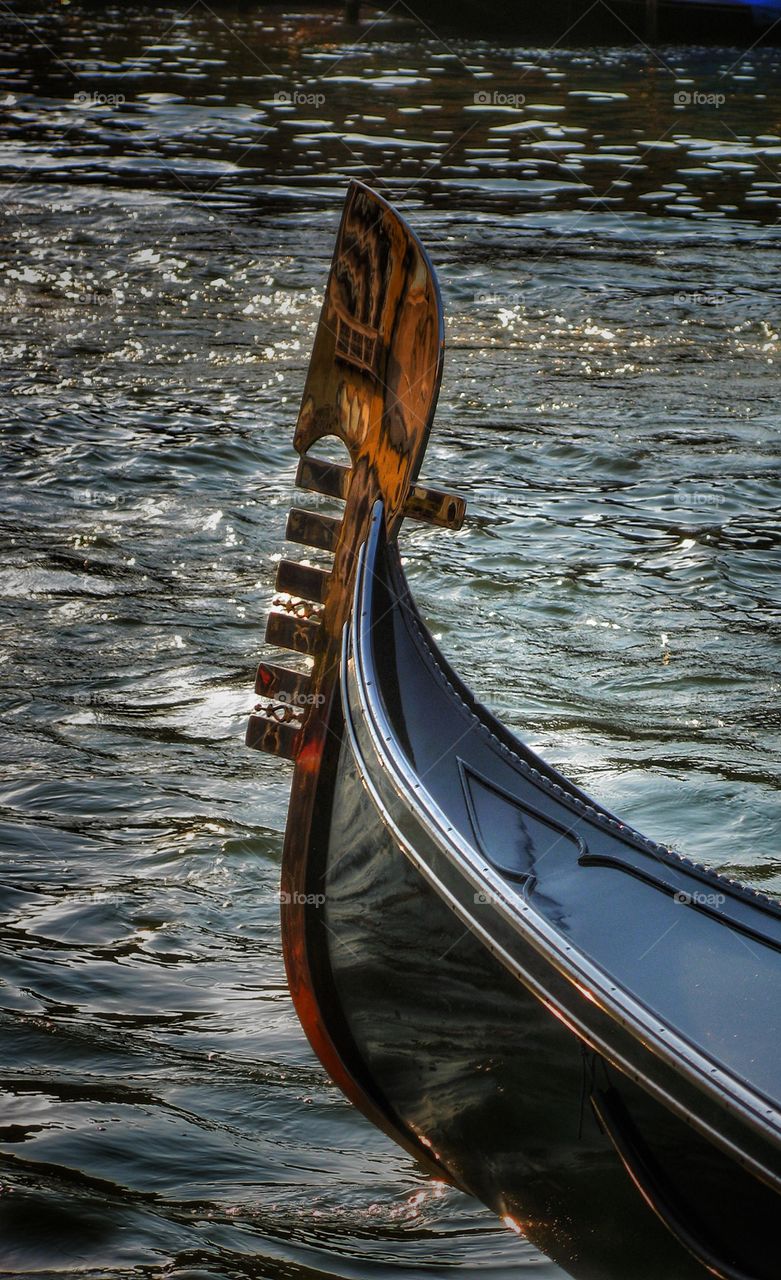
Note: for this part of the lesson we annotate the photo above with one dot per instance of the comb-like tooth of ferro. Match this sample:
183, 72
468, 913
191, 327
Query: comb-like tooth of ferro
302, 580
329, 478
431, 506
281, 685
286, 631
312, 529
279, 738
434, 506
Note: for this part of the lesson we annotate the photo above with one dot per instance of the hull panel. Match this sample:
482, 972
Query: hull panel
478, 1069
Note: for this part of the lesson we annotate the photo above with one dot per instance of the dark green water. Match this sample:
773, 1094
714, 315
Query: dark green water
610, 261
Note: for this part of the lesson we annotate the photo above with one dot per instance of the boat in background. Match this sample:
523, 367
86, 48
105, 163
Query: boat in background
548, 1010
701, 21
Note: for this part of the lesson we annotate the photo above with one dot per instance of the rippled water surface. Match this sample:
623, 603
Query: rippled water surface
604, 224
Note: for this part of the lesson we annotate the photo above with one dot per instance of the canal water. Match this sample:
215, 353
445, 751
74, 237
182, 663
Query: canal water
604, 221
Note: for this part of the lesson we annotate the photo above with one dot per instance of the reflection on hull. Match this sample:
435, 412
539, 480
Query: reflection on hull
474, 1065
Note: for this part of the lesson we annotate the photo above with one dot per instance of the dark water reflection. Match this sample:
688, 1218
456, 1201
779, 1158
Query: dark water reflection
610, 264
295, 102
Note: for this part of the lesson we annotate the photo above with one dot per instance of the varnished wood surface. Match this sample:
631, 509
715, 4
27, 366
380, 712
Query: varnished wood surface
302, 580
431, 505
373, 382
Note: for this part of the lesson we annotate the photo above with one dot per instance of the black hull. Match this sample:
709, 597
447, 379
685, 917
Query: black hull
612, 1154
473, 1064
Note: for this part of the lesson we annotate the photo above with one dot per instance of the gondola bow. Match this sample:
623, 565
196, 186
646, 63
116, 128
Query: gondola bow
573, 1023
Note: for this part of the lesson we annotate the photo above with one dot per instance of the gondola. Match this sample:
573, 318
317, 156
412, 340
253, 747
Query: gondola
546, 1009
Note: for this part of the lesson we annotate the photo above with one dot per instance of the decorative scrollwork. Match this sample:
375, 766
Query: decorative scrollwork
281, 712
298, 608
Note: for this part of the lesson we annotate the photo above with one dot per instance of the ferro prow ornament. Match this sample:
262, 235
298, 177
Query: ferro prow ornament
373, 381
